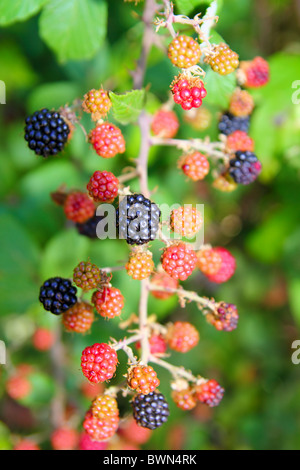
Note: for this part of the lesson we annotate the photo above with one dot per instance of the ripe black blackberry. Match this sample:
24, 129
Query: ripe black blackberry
46, 132
150, 411
58, 295
244, 167
137, 219
89, 228
230, 123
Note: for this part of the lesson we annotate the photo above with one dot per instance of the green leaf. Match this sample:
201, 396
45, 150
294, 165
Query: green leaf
74, 29
12, 11
294, 297
187, 6
127, 107
52, 95
219, 88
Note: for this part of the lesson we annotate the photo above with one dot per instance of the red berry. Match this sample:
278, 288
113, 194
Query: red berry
222, 60
86, 275
209, 261
162, 279
134, 433
100, 429
18, 386
241, 103
179, 260
194, 165
184, 399
78, 207
86, 443
186, 221
224, 318
64, 439
107, 140
26, 444
97, 103
227, 268
239, 140
188, 92
255, 73
157, 344
142, 379
99, 362
103, 186
140, 265
165, 124
108, 302
210, 393
78, 318
43, 339
182, 336
184, 51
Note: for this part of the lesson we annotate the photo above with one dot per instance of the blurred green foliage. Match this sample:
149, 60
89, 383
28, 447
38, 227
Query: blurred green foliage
47, 62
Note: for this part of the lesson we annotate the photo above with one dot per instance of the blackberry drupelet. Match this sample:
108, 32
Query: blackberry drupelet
244, 167
229, 123
58, 295
150, 411
137, 219
89, 228
46, 132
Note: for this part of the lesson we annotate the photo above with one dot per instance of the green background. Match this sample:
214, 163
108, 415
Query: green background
46, 62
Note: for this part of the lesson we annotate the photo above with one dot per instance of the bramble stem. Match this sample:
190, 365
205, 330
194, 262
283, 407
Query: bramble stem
177, 371
213, 149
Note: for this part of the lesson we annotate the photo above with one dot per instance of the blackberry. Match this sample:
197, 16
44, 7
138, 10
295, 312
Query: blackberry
46, 132
137, 219
244, 167
150, 411
58, 295
88, 228
229, 123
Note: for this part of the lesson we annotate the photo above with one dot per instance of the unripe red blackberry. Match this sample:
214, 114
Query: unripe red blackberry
209, 261
163, 279
165, 124
64, 439
46, 132
86, 275
224, 318
150, 411
43, 339
184, 51
254, 73
58, 295
99, 362
194, 165
100, 429
26, 444
86, 443
186, 221
188, 92
78, 318
105, 407
157, 344
227, 268
210, 393
239, 140
96, 102
103, 186
241, 103
182, 336
107, 140
199, 118
179, 260
18, 386
244, 167
184, 399
134, 433
140, 265
108, 302
78, 207
222, 59
142, 379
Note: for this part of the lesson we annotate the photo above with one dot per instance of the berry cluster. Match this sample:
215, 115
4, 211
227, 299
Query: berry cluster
188, 91
101, 421
184, 52
165, 123
217, 264
96, 102
222, 59
107, 140
103, 186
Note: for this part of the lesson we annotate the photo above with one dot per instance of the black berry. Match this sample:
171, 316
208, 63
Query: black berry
46, 132
58, 295
150, 411
89, 228
137, 219
244, 167
229, 123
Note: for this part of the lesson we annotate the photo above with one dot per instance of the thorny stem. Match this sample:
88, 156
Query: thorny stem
143, 324
176, 371
211, 148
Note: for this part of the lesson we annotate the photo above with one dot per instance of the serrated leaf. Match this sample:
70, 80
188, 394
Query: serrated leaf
74, 29
186, 6
219, 88
12, 11
128, 106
